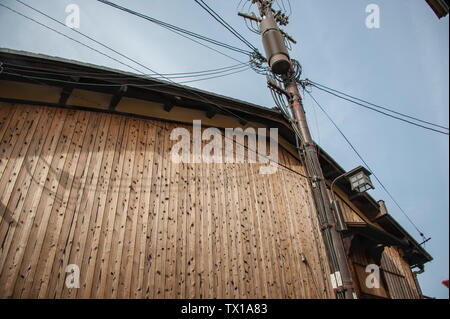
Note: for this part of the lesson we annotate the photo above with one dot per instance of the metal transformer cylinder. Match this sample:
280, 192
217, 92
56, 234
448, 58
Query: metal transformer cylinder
274, 46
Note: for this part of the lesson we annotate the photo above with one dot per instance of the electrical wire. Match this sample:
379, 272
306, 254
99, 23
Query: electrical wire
174, 83
281, 5
100, 52
81, 73
94, 40
381, 107
70, 38
175, 28
206, 46
123, 77
218, 18
120, 84
365, 163
384, 113
239, 5
315, 120
97, 84
251, 27
109, 48
290, 7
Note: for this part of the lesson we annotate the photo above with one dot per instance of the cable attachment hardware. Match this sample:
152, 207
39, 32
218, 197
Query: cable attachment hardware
257, 61
305, 84
280, 17
298, 70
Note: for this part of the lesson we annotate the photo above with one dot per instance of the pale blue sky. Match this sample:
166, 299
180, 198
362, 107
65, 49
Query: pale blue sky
403, 65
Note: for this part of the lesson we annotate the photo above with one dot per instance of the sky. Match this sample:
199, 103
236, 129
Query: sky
403, 65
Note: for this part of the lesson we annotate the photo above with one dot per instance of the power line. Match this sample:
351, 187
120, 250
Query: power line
219, 19
98, 51
29, 68
123, 77
175, 28
381, 112
195, 93
120, 84
90, 38
174, 83
206, 46
381, 107
179, 31
225, 136
70, 38
365, 163
113, 50
109, 48
98, 84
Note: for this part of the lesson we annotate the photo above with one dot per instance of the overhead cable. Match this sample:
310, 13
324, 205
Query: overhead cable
219, 19
115, 51
120, 84
365, 163
175, 28
123, 77
381, 107
169, 80
70, 38
353, 100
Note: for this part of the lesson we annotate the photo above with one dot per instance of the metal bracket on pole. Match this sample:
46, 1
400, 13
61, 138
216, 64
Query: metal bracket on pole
256, 19
278, 89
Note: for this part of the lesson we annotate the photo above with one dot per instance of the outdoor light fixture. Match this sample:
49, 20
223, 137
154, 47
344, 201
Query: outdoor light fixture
359, 182
359, 179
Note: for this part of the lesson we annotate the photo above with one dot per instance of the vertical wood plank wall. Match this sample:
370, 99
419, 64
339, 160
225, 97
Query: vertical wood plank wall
99, 191
398, 276
397, 273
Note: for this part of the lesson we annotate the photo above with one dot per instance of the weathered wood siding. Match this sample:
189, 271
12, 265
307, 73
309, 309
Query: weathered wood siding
99, 191
397, 278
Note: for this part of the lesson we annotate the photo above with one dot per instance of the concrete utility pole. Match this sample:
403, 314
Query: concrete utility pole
281, 64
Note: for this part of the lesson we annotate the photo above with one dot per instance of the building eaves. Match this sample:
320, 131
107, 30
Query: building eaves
440, 7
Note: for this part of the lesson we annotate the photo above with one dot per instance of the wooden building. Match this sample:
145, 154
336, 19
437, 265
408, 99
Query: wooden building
86, 179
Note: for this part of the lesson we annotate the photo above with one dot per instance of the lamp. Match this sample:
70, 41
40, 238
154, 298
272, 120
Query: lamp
359, 181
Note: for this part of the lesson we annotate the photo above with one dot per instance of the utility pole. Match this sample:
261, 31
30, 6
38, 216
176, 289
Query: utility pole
281, 64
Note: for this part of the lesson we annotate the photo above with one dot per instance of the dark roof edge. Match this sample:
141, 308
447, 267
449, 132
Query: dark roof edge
440, 7
130, 74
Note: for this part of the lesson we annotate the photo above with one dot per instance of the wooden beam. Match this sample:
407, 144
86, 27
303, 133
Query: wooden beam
211, 113
67, 91
115, 100
168, 105
242, 122
65, 94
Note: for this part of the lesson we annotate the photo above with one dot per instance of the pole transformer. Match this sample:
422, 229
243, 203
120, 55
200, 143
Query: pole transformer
281, 64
